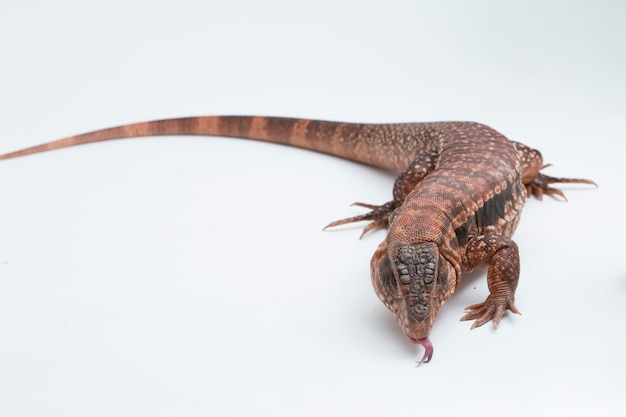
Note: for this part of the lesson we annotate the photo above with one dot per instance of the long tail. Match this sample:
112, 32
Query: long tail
358, 142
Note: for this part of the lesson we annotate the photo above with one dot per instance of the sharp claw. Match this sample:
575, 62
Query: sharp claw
365, 205
514, 309
497, 316
468, 316
378, 224
474, 307
354, 219
552, 180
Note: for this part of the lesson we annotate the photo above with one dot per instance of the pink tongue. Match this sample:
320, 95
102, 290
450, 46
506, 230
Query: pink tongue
428, 349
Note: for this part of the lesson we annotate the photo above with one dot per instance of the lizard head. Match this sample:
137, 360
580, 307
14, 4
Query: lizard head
413, 280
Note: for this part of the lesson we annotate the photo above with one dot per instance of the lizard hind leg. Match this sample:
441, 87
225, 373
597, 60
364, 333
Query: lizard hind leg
536, 183
404, 184
540, 185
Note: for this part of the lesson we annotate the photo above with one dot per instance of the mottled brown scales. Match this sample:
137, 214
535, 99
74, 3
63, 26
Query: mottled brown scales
455, 205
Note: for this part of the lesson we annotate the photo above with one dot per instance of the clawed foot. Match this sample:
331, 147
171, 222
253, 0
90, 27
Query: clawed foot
493, 308
540, 185
379, 217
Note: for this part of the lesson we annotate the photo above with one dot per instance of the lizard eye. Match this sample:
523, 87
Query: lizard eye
392, 281
442, 274
388, 277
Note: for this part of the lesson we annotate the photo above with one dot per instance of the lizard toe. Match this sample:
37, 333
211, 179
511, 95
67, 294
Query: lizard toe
492, 309
540, 185
379, 217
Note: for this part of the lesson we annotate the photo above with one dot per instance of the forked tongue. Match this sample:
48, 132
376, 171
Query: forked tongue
428, 349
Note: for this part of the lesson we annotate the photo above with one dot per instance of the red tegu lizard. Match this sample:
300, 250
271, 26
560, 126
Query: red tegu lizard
455, 204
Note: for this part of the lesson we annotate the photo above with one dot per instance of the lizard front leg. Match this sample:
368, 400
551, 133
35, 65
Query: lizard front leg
404, 184
500, 254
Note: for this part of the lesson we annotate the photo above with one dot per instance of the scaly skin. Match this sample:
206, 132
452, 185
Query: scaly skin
455, 206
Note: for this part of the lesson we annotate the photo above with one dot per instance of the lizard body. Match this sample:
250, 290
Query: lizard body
455, 205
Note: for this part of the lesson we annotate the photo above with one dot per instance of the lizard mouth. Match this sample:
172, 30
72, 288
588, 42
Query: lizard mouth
428, 349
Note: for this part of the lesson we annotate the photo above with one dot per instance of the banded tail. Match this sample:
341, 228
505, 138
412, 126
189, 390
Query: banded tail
358, 142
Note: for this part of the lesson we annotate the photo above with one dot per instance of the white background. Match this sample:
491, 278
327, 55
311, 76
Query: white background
190, 276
